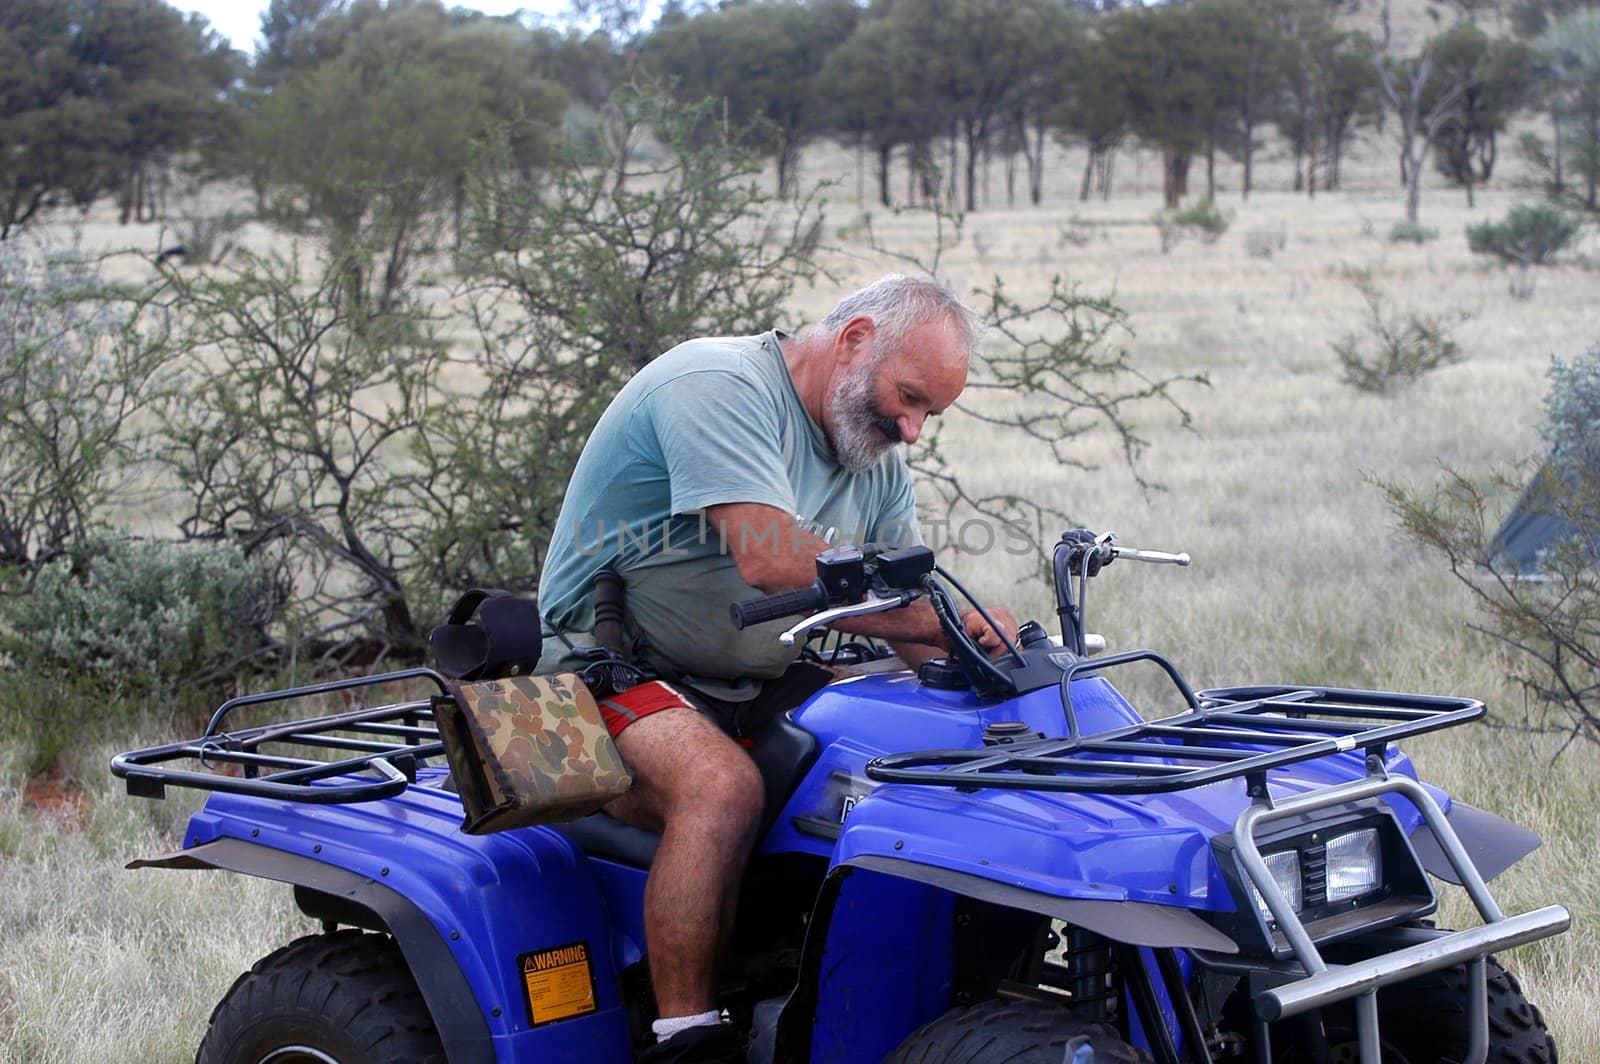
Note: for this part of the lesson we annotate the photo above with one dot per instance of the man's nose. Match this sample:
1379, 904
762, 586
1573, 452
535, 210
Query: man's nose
910, 426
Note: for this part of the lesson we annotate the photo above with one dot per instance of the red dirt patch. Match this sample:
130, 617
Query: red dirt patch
49, 793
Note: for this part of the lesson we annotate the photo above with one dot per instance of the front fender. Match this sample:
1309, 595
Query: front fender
879, 959
1154, 850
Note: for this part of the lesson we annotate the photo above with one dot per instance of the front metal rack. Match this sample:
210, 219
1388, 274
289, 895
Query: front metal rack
373, 752
1220, 738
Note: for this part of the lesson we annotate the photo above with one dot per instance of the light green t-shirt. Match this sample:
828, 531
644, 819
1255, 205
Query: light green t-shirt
712, 421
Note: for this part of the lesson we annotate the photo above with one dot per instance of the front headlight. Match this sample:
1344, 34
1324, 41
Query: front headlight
1355, 864
1285, 868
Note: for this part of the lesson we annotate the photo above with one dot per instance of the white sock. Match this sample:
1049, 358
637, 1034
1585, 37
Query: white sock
666, 1028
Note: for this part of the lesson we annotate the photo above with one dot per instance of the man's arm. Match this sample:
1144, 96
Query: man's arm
774, 553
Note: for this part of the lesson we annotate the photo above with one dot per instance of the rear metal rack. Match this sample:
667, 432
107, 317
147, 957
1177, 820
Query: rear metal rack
1220, 738
382, 746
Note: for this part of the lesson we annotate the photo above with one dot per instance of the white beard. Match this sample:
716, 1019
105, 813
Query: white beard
857, 442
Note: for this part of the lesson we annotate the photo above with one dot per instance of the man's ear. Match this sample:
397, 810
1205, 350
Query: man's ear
856, 336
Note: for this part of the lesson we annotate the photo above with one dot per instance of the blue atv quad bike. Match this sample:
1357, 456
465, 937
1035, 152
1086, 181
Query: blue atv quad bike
983, 861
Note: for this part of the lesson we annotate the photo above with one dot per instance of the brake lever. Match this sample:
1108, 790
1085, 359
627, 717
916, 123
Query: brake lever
871, 604
1151, 555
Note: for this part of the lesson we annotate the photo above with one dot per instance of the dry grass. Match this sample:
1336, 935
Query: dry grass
98, 963
1298, 575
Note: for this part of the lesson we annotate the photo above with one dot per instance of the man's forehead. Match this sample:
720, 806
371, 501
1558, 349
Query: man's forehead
933, 360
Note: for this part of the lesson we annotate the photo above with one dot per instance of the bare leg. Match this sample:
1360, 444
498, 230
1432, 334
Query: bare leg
697, 787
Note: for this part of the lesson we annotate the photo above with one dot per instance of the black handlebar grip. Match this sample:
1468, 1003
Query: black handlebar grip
783, 604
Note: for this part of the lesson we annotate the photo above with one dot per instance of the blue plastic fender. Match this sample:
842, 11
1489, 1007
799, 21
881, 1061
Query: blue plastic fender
496, 902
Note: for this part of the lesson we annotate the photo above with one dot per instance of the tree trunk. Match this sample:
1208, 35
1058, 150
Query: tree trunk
1174, 177
1211, 167
1088, 175
953, 190
1334, 153
885, 154
1247, 154
1313, 154
1414, 185
972, 170
786, 159
1555, 155
988, 169
1036, 168
1591, 164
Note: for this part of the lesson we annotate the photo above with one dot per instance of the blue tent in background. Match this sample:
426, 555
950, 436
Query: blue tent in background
1530, 529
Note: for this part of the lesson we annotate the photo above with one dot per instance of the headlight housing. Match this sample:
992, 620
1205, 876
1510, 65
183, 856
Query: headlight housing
1354, 864
1285, 868
1344, 873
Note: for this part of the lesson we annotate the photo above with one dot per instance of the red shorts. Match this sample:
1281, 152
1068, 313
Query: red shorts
638, 702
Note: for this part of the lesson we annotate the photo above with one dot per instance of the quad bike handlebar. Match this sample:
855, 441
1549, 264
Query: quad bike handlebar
856, 581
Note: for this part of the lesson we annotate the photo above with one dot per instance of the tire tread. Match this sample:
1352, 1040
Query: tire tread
356, 984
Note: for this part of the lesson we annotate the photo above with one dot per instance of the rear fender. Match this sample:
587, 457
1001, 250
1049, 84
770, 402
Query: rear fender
331, 893
467, 911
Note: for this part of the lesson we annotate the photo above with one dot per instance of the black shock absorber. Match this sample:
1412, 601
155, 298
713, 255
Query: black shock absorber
1091, 973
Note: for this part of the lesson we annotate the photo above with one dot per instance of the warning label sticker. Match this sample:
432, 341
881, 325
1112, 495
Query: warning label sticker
558, 982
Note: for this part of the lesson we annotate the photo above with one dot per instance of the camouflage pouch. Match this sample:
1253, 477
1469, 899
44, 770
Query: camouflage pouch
528, 750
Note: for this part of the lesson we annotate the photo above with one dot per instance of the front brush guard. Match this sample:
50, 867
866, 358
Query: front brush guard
1315, 983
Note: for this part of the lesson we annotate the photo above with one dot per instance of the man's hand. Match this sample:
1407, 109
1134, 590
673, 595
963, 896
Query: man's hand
985, 636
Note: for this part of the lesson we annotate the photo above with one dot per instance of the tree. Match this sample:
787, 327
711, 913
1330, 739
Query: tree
1096, 112
1351, 99
865, 99
299, 35
80, 362
367, 148
96, 97
1162, 70
1245, 57
1569, 54
1330, 88
1495, 78
1049, 71
297, 403
1425, 102
974, 59
760, 62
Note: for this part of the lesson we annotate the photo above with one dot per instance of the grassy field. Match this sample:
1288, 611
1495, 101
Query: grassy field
1297, 576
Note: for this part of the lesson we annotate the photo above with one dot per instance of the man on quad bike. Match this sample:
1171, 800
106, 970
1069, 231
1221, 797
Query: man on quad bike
718, 473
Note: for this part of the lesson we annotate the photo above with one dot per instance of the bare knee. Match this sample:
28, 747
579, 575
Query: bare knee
720, 797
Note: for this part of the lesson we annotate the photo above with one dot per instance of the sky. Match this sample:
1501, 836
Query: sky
240, 20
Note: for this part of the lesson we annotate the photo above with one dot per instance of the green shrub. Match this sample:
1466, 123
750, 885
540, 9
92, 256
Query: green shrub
1396, 349
1411, 233
136, 615
1572, 411
1548, 625
1529, 235
1204, 220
